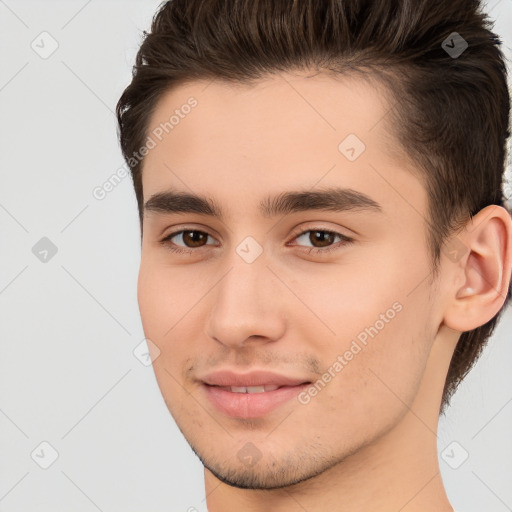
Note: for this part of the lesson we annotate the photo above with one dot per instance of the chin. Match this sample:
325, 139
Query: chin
256, 480
276, 474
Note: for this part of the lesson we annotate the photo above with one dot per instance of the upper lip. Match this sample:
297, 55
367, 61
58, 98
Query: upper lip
254, 378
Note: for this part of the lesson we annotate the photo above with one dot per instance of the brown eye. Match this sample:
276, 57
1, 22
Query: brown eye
322, 240
190, 239
194, 238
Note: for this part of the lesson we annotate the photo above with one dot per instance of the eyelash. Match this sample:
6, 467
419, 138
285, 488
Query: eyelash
345, 240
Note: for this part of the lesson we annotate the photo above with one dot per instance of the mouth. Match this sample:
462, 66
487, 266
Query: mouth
250, 389
252, 401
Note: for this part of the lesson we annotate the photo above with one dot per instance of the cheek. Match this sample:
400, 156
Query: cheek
163, 296
152, 301
161, 306
379, 326
374, 386
158, 306
168, 298
344, 300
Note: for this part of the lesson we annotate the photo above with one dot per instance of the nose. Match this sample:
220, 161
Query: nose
246, 306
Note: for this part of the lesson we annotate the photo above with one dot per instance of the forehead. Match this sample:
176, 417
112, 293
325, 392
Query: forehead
276, 134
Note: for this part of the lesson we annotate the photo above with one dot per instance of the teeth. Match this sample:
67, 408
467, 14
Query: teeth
234, 389
252, 389
256, 389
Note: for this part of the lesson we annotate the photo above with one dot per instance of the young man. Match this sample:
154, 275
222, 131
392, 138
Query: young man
325, 247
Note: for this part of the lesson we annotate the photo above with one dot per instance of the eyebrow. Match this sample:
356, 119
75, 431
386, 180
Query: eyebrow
330, 199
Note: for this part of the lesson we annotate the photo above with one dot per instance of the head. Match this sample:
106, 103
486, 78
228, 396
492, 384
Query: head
241, 103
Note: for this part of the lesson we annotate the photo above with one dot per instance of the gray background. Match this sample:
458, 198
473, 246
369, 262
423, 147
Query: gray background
69, 325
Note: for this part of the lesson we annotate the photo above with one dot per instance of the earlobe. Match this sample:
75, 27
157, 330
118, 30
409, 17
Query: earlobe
484, 270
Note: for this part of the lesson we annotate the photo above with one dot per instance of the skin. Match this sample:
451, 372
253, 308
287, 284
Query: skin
367, 441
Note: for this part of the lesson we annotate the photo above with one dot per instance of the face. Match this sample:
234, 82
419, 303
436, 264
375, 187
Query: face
288, 310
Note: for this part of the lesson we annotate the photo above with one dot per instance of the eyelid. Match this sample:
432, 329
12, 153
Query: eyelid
345, 239
303, 230
166, 239
295, 233
189, 227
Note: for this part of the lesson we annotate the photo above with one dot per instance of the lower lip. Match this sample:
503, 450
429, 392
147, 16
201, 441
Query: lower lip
250, 405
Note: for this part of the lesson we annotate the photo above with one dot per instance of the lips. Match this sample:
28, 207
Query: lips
250, 395
224, 378
250, 389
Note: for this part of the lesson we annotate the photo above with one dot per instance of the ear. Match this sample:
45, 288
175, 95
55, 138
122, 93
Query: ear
479, 260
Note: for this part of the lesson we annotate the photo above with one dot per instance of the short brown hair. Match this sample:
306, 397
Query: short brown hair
450, 113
